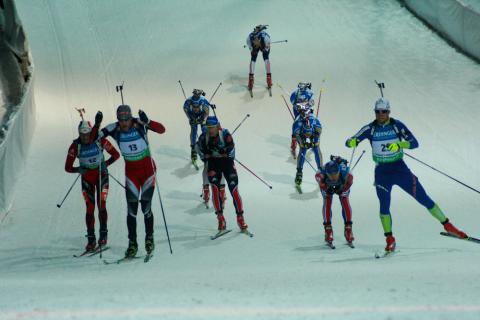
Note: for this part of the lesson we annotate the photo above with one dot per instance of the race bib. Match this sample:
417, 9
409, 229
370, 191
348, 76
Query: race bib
89, 156
133, 146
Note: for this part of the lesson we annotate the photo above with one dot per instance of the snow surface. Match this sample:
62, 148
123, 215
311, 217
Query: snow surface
82, 49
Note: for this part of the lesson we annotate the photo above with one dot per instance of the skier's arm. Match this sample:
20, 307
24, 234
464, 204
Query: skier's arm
114, 154
410, 141
348, 183
71, 156
229, 144
293, 98
266, 41
361, 135
249, 43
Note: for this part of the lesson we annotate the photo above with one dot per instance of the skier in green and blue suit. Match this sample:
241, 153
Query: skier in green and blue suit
388, 137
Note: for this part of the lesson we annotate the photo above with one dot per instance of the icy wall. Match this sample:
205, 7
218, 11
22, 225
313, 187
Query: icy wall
455, 20
17, 104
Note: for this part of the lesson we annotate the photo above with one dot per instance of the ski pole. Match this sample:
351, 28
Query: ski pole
279, 41
68, 192
281, 88
288, 108
320, 98
246, 168
213, 95
121, 185
245, 118
381, 86
305, 158
358, 160
351, 157
448, 176
158, 192
183, 91
119, 88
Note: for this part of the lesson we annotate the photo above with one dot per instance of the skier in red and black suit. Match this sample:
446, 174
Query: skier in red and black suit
336, 179
90, 155
217, 146
131, 136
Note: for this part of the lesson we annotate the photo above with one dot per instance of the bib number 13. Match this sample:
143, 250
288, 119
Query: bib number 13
132, 147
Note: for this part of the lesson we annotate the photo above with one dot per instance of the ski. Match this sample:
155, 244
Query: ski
299, 188
446, 234
220, 233
124, 259
97, 251
246, 232
350, 244
330, 245
148, 257
194, 163
90, 253
385, 254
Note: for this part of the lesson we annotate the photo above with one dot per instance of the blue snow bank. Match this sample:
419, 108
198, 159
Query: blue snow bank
457, 21
17, 123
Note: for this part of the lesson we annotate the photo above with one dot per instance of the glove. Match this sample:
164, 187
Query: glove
213, 106
352, 142
394, 147
143, 117
98, 118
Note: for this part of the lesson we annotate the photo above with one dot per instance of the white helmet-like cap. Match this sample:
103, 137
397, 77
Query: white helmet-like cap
382, 104
84, 127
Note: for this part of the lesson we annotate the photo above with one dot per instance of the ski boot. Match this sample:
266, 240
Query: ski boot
298, 177
250, 81
348, 232
269, 80
193, 155
132, 249
293, 147
222, 224
390, 243
450, 228
206, 193
102, 241
222, 195
241, 222
328, 233
149, 244
92, 241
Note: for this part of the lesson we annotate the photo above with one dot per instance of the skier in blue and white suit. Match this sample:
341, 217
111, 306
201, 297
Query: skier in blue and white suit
307, 130
259, 40
388, 137
302, 95
197, 109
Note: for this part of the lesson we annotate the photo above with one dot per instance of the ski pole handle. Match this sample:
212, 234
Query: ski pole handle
68, 192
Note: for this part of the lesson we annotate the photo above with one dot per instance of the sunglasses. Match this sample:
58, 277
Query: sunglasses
381, 111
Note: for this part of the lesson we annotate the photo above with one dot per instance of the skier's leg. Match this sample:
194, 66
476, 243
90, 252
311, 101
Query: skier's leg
231, 177
193, 140
132, 191
318, 156
102, 211
383, 186
88, 191
206, 184
266, 54
214, 177
148, 188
